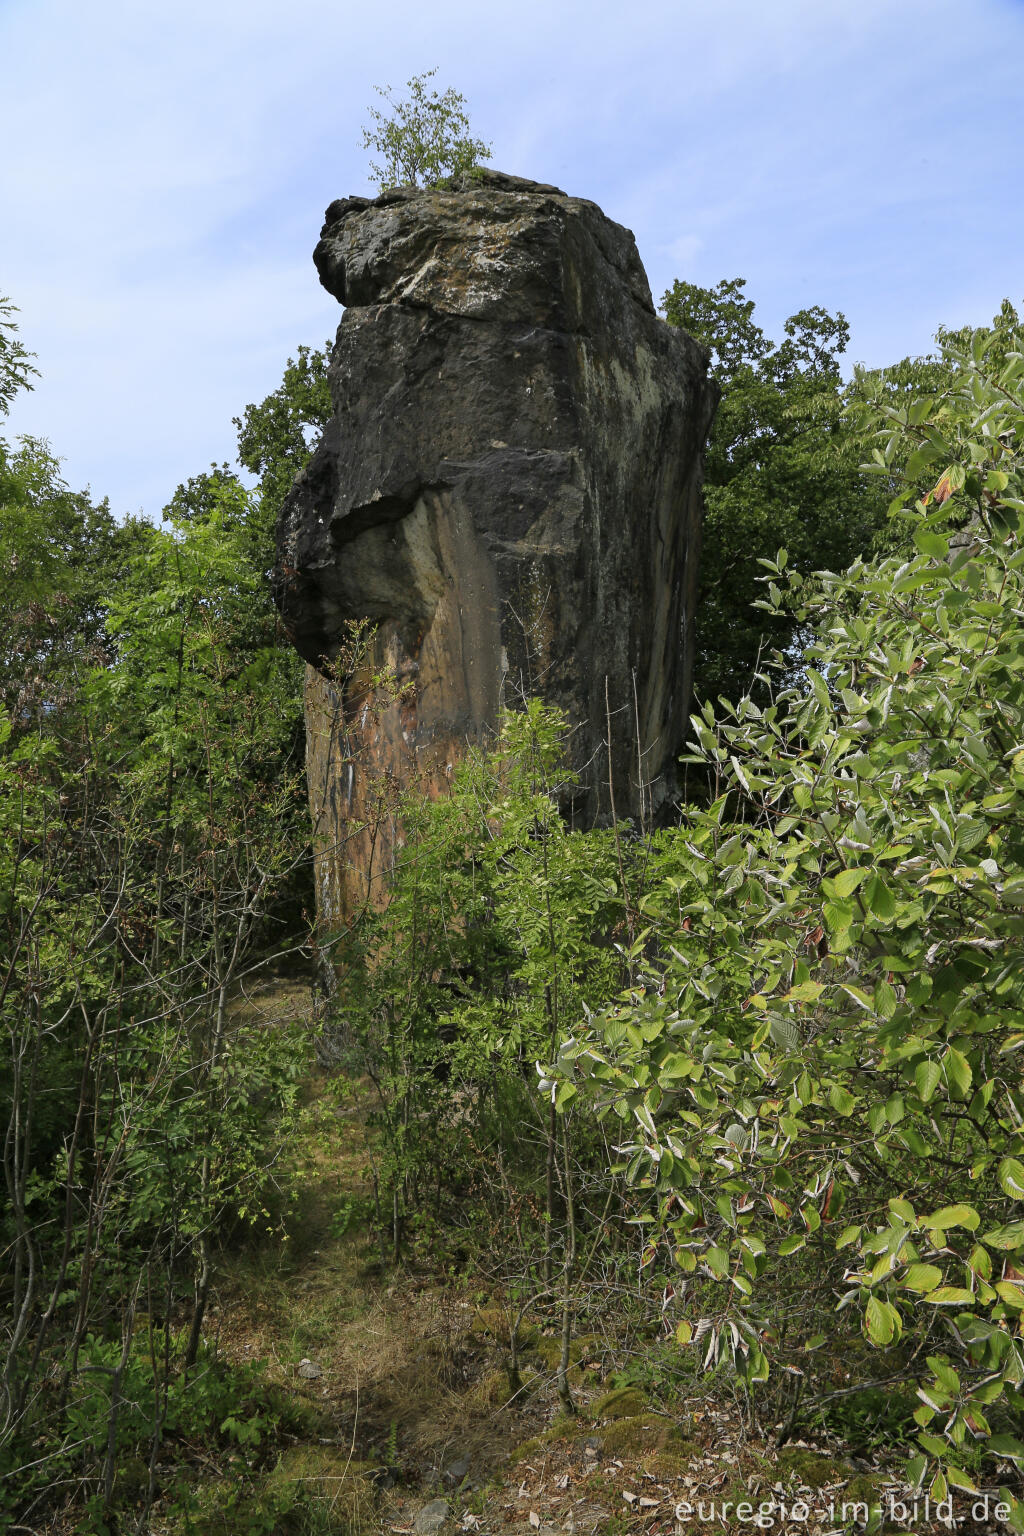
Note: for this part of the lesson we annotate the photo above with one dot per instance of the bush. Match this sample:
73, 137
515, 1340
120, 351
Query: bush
821, 1057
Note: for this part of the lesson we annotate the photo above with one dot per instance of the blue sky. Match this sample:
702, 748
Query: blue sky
166, 184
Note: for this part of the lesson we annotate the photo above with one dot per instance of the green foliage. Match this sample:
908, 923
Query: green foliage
60, 558
16, 371
871, 1419
277, 436
924, 386
809, 1068
426, 138
499, 929
821, 1056
151, 815
782, 467
114, 1400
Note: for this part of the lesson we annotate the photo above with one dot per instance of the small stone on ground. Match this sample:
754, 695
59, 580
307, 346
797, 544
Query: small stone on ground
431, 1517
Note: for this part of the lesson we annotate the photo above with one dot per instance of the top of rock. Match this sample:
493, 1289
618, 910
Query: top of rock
481, 180
484, 244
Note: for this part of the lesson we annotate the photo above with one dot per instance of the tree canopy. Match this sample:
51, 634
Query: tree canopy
782, 468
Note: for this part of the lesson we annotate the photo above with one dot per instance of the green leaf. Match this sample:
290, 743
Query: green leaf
927, 1077
1008, 1238
841, 1099
1011, 1177
879, 1322
717, 1261
959, 1478
980, 1262
913, 1140
953, 1216
958, 1070
931, 544
1005, 1445
916, 1468
944, 1373
676, 1066
885, 999
785, 1033
879, 898
847, 882
922, 1277
838, 916
804, 992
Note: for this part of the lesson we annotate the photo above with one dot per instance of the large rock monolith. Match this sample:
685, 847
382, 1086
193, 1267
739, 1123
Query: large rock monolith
509, 492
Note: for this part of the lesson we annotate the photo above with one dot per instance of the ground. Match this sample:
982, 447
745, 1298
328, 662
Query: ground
409, 1421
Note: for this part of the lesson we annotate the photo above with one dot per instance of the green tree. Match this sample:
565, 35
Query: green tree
143, 846
932, 387
16, 369
818, 1066
150, 817
220, 524
277, 436
61, 556
495, 932
782, 468
425, 139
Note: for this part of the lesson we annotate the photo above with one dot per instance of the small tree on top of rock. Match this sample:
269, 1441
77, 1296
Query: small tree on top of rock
425, 139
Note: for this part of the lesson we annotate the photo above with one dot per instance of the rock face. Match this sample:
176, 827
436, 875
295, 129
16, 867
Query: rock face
509, 491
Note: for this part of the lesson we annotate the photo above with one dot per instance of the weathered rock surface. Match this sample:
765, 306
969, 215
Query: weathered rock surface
509, 490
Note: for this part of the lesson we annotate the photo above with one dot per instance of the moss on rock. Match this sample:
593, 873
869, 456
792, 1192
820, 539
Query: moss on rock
623, 1403
645, 1436
808, 1468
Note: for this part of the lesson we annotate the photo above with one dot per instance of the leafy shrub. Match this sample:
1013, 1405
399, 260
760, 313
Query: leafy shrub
821, 1056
